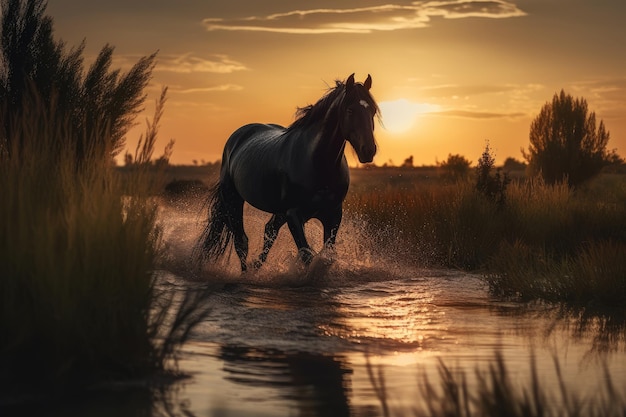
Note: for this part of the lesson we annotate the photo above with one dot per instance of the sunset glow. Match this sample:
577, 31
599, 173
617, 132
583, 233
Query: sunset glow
400, 115
448, 75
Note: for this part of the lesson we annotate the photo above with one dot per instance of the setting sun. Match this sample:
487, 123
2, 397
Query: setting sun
398, 116
439, 90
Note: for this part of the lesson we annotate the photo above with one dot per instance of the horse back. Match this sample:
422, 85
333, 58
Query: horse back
252, 163
273, 170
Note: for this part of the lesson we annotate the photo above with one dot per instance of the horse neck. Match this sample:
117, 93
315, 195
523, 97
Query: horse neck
330, 143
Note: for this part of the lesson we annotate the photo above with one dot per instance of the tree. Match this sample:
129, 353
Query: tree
455, 168
408, 163
38, 74
512, 164
565, 143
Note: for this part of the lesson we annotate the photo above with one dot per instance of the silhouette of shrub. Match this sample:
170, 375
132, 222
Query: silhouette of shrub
565, 144
512, 164
456, 168
492, 185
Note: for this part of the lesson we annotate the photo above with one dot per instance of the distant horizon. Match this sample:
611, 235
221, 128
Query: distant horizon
449, 75
200, 164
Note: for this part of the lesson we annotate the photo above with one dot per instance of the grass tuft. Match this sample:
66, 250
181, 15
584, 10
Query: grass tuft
79, 303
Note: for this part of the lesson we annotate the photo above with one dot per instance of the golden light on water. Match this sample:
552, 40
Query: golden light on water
404, 321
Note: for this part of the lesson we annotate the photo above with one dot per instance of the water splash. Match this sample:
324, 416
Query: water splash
357, 258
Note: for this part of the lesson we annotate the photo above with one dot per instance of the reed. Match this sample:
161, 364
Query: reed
545, 241
594, 276
79, 303
441, 224
562, 245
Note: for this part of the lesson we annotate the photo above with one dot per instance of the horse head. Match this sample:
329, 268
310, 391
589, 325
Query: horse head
357, 121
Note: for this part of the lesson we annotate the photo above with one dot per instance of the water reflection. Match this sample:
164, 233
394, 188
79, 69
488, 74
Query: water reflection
318, 384
276, 350
601, 331
604, 331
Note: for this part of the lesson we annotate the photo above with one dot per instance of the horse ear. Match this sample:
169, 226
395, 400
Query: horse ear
350, 82
368, 82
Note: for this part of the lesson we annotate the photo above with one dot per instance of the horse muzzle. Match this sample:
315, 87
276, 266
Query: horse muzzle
366, 153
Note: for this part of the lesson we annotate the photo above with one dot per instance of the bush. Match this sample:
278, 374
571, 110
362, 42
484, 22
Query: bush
493, 186
547, 241
454, 169
512, 164
565, 144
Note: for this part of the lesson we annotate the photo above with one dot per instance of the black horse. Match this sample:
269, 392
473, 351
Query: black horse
296, 173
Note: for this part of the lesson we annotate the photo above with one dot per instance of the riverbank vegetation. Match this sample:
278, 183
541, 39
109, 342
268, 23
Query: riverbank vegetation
78, 249
530, 239
557, 235
545, 241
79, 303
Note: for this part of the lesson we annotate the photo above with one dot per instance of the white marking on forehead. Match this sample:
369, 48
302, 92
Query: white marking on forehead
364, 103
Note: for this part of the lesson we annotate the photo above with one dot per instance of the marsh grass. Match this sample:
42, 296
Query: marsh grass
593, 276
442, 224
496, 392
546, 241
79, 304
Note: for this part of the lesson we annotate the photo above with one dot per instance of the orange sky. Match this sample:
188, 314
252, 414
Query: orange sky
457, 72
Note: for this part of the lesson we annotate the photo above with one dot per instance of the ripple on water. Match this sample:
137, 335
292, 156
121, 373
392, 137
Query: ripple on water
283, 331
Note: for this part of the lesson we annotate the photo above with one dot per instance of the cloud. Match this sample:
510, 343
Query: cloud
184, 63
188, 63
386, 17
606, 89
212, 89
454, 90
469, 114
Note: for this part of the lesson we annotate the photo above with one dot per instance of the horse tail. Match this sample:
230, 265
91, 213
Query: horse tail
217, 234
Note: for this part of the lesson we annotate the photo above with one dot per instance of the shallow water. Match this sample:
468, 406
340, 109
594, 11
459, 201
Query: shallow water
320, 342
289, 341
286, 351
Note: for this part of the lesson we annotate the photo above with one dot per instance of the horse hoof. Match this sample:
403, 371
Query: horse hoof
306, 256
257, 264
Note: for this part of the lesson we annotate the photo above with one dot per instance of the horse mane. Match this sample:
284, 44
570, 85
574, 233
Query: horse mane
309, 115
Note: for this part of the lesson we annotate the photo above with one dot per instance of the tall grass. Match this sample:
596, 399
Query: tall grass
79, 304
545, 241
440, 224
562, 245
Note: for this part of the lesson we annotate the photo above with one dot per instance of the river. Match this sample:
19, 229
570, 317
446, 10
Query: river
357, 333
289, 341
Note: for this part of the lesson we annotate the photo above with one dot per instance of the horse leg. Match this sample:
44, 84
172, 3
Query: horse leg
271, 232
296, 227
240, 238
331, 221
235, 223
